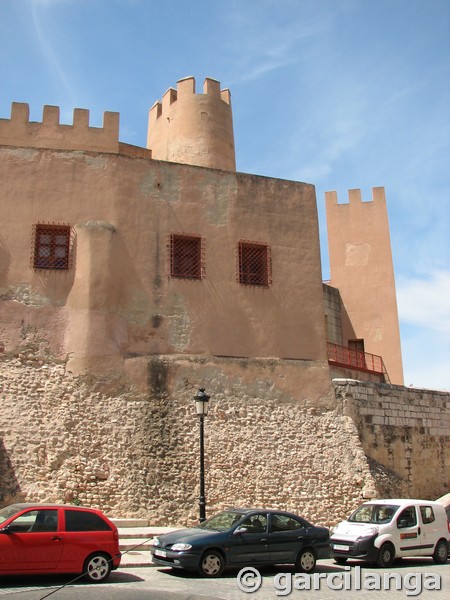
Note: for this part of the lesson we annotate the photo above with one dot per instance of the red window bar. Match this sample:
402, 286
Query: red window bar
51, 246
362, 361
187, 256
255, 266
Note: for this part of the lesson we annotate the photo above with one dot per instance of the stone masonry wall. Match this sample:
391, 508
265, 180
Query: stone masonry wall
134, 453
406, 430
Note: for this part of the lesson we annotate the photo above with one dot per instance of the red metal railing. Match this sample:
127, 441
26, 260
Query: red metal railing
363, 361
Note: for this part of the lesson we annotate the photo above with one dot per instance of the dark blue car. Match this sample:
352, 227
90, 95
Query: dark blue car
241, 537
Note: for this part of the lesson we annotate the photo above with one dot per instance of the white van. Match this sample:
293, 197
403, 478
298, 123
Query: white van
381, 530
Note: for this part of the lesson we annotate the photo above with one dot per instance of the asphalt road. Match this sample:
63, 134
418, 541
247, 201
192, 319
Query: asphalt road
331, 582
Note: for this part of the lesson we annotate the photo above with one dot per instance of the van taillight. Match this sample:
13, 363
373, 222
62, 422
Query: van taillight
448, 525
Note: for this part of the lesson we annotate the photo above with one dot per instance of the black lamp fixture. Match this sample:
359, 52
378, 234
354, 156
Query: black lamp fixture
201, 399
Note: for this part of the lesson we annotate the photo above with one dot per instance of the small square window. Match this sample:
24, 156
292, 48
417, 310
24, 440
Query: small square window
51, 246
186, 256
254, 263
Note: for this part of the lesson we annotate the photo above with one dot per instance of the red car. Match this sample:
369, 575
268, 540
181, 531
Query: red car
57, 538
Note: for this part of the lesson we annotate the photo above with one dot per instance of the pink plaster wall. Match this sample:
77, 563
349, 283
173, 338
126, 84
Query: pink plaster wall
118, 300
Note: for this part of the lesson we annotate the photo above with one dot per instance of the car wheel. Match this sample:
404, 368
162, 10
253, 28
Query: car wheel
306, 561
341, 560
386, 555
440, 554
212, 564
97, 567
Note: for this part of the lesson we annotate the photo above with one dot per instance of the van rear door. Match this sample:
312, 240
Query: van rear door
431, 526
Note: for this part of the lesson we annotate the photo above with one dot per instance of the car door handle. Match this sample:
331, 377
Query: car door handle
55, 538
418, 531
263, 540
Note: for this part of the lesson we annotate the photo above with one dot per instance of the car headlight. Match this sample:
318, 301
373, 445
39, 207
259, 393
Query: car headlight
179, 547
368, 532
154, 541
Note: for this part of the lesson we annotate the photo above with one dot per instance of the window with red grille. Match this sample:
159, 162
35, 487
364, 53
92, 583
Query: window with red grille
254, 263
186, 256
51, 246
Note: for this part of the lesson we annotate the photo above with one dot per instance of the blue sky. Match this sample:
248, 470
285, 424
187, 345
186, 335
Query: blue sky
339, 93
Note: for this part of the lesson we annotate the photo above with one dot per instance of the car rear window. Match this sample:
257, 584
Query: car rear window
79, 520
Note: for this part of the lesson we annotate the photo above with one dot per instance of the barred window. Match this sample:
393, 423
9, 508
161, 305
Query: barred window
186, 256
51, 246
254, 263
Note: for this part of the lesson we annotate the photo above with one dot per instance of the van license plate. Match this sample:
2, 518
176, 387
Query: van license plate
341, 547
161, 553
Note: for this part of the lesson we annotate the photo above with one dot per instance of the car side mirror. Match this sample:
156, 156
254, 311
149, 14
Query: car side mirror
403, 523
5, 529
240, 530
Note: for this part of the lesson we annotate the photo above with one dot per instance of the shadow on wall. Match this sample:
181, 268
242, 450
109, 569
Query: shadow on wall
389, 484
9, 487
5, 260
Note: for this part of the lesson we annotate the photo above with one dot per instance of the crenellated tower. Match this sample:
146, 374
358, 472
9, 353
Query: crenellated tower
194, 129
361, 267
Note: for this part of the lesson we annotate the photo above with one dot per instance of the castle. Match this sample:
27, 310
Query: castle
130, 277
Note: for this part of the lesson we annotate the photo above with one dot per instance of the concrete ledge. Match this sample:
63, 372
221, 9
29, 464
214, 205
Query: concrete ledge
130, 522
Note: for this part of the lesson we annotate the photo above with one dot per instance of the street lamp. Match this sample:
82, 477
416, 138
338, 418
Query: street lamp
201, 408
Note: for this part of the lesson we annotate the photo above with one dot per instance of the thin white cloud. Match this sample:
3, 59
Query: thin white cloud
426, 302
424, 311
44, 38
264, 45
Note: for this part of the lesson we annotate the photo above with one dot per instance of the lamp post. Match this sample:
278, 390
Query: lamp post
201, 407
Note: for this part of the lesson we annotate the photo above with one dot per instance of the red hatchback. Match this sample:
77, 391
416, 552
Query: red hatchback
57, 538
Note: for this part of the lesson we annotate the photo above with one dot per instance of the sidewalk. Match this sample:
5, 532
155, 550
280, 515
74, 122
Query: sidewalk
134, 541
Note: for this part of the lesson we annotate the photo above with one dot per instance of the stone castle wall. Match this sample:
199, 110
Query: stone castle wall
405, 429
134, 452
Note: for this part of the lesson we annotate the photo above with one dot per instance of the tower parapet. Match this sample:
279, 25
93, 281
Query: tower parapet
20, 131
195, 129
354, 196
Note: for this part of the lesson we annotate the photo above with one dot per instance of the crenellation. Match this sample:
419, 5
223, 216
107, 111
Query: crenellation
19, 131
212, 88
155, 112
225, 94
20, 112
81, 117
50, 116
355, 197
169, 98
186, 87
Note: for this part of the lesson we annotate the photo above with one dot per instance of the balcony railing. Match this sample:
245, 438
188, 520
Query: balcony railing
362, 361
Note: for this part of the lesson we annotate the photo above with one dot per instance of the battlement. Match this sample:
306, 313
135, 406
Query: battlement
20, 131
194, 129
185, 89
354, 197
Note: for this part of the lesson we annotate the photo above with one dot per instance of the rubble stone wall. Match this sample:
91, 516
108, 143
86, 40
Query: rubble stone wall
407, 430
136, 454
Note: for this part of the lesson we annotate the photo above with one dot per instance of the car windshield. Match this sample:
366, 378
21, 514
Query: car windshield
222, 521
9, 511
374, 513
